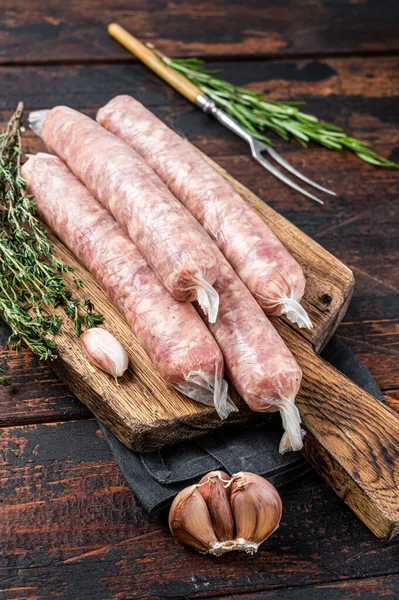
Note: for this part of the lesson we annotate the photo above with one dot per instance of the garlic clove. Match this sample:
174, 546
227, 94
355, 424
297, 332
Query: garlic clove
105, 351
217, 497
190, 521
257, 509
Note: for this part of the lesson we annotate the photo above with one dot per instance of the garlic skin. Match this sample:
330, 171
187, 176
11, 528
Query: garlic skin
217, 497
105, 351
220, 514
257, 510
190, 521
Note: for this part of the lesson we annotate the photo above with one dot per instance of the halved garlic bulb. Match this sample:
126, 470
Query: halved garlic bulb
220, 514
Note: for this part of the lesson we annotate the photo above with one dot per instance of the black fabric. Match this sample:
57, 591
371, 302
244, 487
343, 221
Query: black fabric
156, 477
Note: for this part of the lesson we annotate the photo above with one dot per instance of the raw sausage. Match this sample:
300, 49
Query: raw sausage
258, 363
170, 239
258, 257
171, 332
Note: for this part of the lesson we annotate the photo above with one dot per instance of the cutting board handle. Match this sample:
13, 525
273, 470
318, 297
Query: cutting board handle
352, 440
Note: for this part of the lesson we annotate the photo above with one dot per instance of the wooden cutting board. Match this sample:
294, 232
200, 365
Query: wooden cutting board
352, 440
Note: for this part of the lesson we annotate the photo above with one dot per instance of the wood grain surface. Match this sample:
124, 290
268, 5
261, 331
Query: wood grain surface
72, 529
58, 31
352, 440
62, 495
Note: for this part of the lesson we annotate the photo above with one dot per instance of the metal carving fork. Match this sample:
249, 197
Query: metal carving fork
190, 91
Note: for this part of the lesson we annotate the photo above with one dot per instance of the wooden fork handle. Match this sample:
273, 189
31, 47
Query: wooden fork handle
147, 56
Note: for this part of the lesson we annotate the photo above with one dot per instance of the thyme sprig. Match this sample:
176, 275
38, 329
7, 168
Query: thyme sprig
258, 114
32, 283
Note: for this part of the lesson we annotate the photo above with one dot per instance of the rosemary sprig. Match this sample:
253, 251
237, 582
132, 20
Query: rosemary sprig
257, 114
32, 281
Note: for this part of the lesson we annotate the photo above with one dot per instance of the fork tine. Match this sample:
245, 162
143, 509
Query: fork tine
298, 174
256, 150
268, 165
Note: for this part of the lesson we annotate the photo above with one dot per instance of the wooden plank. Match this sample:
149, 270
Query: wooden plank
71, 528
352, 440
351, 78
36, 394
392, 398
367, 589
371, 326
77, 30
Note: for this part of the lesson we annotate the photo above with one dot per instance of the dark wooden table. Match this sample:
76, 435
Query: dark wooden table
69, 526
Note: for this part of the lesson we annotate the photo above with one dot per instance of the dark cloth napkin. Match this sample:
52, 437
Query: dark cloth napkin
156, 477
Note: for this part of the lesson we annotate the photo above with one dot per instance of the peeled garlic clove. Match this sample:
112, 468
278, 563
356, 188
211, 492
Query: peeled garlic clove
190, 521
257, 509
105, 351
217, 497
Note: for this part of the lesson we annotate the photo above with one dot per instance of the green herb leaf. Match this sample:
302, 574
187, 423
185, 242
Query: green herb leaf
32, 281
256, 113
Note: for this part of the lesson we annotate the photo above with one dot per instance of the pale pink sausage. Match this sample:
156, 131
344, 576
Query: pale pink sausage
171, 332
258, 363
262, 262
170, 239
